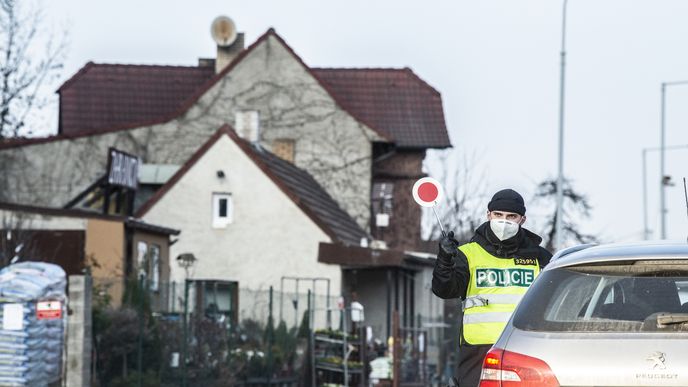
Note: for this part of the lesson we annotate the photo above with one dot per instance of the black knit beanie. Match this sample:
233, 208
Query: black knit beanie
507, 200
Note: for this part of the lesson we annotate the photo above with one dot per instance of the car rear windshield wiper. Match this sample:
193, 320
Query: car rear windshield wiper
665, 319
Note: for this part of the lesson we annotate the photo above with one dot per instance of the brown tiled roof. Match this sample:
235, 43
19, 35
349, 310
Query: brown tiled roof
102, 96
395, 101
356, 257
314, 197
297, 184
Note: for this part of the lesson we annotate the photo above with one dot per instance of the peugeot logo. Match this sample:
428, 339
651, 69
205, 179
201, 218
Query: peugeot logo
657, 358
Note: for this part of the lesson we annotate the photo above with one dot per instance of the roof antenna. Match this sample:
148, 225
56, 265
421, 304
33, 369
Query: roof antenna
685, 192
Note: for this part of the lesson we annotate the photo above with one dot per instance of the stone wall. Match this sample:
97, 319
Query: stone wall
79, 328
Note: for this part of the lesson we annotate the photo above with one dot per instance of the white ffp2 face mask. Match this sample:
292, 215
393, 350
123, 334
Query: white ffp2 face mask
504, 229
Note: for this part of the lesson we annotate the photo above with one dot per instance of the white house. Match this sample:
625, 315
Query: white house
250, 217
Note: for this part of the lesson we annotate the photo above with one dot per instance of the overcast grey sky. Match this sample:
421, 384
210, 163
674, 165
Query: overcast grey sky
496, 63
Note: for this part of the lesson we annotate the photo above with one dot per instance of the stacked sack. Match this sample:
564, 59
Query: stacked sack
30, 349
381, 368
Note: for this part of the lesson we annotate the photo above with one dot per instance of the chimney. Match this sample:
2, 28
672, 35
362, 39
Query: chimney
206, 62
229, 42
225, 55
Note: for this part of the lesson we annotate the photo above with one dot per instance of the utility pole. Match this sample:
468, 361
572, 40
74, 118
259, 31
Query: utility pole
662, 173
559, 240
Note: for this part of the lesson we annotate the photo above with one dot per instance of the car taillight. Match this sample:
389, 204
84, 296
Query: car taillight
510, 369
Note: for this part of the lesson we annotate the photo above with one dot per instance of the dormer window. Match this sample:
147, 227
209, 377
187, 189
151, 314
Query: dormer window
381, 201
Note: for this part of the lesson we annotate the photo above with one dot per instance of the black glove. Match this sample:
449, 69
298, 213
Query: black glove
448, 249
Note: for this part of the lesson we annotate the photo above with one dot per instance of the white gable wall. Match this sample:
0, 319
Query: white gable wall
270, 236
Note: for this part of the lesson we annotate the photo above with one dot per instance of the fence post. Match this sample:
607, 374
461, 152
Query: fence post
186, 332
345, 348
311, 339
281, 301
396, 353
327, 307
139, 360
79, 328
296, 305
174, 296
270, 339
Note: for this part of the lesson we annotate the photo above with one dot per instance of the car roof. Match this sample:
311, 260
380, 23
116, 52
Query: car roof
649, 250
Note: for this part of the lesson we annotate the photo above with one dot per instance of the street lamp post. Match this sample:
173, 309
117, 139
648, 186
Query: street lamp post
646, 228
662, 146
185, 261
560, 175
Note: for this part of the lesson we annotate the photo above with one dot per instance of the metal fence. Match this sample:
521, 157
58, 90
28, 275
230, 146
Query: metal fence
232, 336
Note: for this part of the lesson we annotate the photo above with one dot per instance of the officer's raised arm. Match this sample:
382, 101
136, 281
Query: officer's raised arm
450, 276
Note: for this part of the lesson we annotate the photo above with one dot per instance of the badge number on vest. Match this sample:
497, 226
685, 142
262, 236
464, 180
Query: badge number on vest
525, 261
500, 278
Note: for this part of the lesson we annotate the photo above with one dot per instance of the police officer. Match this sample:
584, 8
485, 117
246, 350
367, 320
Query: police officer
490, 274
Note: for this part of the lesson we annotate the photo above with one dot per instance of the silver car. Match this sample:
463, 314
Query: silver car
611, 315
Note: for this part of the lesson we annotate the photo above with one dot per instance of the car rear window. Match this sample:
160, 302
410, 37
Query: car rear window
621, 297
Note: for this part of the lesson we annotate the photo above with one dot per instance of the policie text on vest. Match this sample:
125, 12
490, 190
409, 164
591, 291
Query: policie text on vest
493, 278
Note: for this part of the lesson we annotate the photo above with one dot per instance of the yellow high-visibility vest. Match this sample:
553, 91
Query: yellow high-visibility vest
495, 287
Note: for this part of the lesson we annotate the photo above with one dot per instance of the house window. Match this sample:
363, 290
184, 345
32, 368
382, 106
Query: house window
382, 204
154, 267
223, 210
284, 149
247, 124
142, 250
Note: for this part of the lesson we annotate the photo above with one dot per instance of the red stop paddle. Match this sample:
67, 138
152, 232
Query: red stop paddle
427, 192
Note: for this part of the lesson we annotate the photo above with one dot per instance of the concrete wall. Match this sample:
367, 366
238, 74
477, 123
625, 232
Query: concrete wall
431, 308
270, 236
427, 304
79, 328
371, 287
330, 144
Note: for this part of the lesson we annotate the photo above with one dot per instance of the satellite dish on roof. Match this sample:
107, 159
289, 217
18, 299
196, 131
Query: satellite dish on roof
223, 31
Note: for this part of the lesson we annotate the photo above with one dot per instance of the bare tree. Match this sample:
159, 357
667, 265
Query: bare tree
464, 193
16, 238
26, 66
575, 207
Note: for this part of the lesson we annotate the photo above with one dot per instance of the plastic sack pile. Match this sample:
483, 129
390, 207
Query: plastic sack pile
30, 348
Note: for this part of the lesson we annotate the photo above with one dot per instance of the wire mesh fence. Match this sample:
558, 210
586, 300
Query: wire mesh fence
231, 336
215, 333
